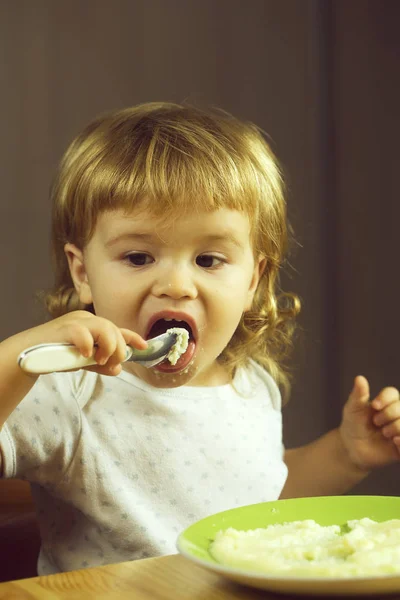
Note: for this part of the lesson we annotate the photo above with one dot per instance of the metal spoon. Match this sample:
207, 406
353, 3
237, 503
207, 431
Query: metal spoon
48, 358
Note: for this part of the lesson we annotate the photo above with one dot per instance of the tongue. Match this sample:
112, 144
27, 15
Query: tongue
182, 361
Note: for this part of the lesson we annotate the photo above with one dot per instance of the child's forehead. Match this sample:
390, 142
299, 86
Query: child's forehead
227, 222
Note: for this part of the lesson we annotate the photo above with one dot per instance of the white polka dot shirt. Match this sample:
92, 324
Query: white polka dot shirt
119, 468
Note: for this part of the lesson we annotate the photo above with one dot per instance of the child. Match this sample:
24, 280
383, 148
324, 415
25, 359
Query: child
166, 215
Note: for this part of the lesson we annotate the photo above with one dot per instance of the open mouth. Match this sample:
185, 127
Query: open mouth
161, 326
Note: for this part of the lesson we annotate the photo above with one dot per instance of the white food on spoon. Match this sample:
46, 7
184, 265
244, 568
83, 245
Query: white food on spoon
180, 345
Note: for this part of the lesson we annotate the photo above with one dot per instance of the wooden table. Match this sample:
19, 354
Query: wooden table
166, 578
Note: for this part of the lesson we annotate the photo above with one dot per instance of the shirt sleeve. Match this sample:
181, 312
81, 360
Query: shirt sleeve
39, 438
271, 387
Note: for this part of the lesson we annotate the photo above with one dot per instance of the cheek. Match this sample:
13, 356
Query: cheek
237, 279
229, 306
111, 301
234, 291
109, 280
230, 296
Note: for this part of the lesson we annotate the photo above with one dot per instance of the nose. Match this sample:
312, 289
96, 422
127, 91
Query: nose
175, 282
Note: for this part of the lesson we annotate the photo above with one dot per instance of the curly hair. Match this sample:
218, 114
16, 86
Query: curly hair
175, 158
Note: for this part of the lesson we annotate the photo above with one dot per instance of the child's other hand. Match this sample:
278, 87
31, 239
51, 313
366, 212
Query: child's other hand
85, 330
370, 431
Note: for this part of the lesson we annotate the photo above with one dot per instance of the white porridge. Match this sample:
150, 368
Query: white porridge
180, 345
305, 549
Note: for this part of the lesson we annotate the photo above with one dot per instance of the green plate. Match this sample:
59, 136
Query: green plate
195, 541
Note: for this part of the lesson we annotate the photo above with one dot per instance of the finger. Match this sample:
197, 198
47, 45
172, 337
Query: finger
385, 397
106, 342
396, 441
134, 339
112, 347
359, 395
388, 414
109, 370
119, 353
81, 338
392, 430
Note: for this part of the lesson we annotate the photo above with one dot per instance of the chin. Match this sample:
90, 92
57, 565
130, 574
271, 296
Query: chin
173, 379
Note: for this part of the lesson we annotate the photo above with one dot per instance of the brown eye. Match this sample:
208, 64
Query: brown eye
207, 261
139, 259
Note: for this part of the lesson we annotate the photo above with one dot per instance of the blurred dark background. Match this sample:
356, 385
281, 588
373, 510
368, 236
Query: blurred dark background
321, 77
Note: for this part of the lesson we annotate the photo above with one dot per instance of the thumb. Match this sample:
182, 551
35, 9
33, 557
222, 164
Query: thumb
359, 395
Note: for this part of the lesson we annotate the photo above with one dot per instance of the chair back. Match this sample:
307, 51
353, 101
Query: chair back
19, 531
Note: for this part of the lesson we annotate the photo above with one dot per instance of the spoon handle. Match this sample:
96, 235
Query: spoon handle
47, 358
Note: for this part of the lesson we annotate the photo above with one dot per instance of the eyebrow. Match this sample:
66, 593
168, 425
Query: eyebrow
144, 237
227, 236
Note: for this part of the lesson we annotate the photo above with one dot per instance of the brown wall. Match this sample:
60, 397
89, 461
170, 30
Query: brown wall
364, 229
321, 77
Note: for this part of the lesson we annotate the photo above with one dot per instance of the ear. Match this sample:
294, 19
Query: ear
259, 269
78, 273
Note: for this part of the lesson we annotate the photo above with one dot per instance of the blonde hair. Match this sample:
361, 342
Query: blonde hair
175, 158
